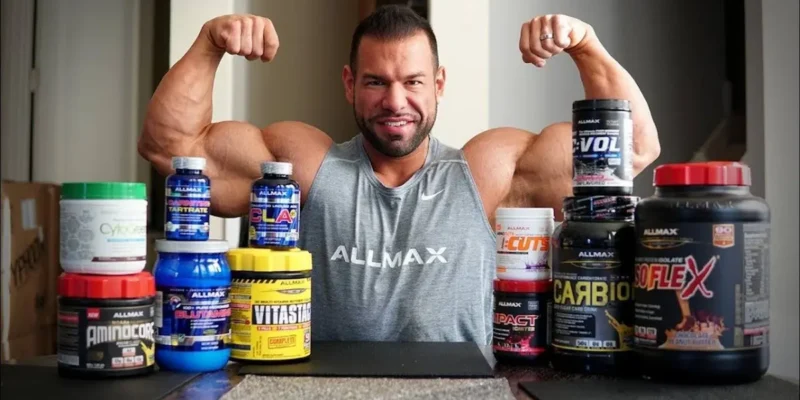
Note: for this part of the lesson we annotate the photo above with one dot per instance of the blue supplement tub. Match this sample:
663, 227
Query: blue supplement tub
193, 315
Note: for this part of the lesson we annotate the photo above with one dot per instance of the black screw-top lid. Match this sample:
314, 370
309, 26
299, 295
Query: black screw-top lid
601, 104
600, 207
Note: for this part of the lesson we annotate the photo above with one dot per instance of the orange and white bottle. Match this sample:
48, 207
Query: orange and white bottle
523, 243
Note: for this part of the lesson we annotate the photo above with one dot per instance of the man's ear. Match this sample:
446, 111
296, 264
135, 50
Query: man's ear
349, 80
440, 78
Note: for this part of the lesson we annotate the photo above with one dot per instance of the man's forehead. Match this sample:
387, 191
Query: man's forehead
377, 52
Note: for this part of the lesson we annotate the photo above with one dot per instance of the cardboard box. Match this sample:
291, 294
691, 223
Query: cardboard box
29, 263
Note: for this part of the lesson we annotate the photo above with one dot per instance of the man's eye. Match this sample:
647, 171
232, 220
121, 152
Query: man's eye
374, 83
414, 83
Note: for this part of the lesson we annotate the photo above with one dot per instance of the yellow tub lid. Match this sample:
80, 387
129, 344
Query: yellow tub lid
266, 260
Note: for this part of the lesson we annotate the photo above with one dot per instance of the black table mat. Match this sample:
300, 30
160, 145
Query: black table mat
385, 359
769, 388
36, 382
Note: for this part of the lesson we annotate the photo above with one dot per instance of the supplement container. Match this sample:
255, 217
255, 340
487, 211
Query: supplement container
187, 200
271, 305
602, 147
702, 276
523, 243
275, 208
592, 286
105, 325
103, 227
521, 327
193, 312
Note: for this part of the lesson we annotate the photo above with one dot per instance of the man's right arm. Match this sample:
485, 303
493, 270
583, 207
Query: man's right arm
178, 120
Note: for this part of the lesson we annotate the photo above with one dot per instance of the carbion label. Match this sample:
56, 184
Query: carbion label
702, 286
523, 248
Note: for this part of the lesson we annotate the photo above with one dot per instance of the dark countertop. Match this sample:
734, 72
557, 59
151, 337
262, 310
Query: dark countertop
214, 385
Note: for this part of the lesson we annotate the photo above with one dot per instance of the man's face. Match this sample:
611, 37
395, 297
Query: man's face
395, 92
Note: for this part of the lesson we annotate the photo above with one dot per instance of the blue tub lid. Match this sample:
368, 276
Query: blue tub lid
192, 247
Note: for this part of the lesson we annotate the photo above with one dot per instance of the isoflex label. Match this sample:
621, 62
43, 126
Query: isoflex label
271, 319
592, 301
192, 319
702, 286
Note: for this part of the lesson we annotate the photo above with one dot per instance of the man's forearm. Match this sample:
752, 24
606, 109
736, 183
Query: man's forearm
604, 77
181, 105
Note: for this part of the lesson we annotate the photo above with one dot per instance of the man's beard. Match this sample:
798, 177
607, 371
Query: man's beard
423, 130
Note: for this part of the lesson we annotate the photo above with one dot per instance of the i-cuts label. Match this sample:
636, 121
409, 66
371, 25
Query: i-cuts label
702, 286
601, 152
592, 301
108, 338
192, 319
187, 211
274, 216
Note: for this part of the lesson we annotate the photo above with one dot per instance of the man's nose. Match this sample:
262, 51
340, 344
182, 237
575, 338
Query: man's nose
395, 99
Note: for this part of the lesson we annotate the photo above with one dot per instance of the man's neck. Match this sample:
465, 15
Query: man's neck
395, 171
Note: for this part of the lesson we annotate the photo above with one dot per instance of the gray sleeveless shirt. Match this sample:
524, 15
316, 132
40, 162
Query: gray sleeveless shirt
411, 263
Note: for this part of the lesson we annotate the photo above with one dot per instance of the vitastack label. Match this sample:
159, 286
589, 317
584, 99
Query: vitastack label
109, 338
192, 319
520, 325
592, 301
187, 211
274, 216
702, 286
271, 319
601, 152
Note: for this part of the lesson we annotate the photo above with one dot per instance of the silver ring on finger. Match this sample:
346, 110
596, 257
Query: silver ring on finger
546, 36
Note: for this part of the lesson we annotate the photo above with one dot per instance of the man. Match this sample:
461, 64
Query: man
399, 225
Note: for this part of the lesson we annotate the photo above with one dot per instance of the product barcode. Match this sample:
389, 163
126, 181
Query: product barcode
159, 310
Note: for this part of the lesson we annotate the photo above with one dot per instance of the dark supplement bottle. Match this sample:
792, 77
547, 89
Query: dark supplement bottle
275, 208
106, 325
188, 201
522, 313
592, 252
602, 148
702, 276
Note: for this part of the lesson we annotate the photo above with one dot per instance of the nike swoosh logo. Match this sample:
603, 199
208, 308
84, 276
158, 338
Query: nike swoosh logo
430, 196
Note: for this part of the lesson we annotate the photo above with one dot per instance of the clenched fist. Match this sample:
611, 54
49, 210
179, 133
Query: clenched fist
547, 35
250, 36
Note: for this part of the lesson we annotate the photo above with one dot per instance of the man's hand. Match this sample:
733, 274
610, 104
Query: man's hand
547, 35
250, 36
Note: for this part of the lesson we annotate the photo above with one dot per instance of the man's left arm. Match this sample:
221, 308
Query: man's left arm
515, 168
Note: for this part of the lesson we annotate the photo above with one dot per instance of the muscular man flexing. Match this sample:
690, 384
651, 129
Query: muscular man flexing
399, 225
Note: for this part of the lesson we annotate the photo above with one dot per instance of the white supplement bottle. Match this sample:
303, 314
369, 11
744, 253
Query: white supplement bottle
103, 227
523, 243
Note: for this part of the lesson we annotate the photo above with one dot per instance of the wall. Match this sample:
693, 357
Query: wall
463, 34
672, 48
87, 53
781, 144
303, 82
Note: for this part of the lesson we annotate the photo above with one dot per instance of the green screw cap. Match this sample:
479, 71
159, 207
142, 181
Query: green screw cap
103, 191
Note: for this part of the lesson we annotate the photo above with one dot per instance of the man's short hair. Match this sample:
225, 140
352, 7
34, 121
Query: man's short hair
392, 22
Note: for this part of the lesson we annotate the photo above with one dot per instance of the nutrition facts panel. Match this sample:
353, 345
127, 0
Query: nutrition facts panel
756, 273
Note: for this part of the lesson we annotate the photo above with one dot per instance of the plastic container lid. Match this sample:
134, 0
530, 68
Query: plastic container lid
188, 163
106, 286
103, 191
715, 173
524, 213
192, 247
277, 168
601, 104
266, 260
540, 286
